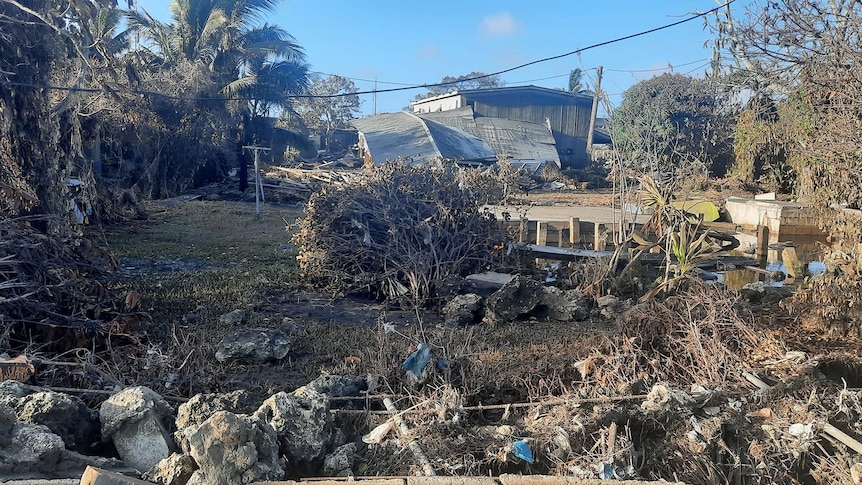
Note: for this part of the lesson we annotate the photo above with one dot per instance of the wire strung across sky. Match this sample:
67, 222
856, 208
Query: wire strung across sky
390, 90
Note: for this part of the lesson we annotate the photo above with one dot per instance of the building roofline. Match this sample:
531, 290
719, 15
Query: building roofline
529, 87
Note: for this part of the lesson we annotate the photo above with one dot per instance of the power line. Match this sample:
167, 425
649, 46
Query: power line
403, 88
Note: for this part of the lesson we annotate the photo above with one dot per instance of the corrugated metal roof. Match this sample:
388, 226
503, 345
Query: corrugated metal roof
457, 135
392, 135
524, 142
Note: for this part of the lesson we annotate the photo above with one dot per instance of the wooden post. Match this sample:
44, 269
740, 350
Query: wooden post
524, 230
594, 111
762, 248
574, 231
258, 181
598, 239
541, 233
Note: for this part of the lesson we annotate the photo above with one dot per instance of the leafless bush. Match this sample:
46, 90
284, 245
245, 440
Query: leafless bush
497, 184
699, 335
397, 232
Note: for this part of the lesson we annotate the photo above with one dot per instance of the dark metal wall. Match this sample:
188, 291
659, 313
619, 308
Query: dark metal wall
568, 115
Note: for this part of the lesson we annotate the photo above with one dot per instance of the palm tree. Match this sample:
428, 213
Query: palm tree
260, 64
575, 84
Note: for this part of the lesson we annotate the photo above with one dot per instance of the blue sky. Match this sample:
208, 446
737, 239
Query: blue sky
406, 42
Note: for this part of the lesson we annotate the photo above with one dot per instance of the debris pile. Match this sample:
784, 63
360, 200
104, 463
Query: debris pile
51, 290
398, 232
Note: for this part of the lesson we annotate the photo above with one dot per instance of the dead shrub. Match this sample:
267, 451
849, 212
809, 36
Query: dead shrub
397, 232
697, 336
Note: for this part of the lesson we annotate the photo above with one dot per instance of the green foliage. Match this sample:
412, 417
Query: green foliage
670, 121
804, 56
335, 107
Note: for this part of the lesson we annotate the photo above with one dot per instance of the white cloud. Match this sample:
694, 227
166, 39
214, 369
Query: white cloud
429, 51
499, 25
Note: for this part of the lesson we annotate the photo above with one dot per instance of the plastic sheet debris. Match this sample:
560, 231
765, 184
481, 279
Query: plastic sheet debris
522, 450
417, 361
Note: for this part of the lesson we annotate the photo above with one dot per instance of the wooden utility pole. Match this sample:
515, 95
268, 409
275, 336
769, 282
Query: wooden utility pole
594, 111
258, 181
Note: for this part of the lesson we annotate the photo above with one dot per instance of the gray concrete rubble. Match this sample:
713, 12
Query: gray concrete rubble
463, 310
66, 416
133, 419
517, 298
338, 386
230, 449
302, 422
202, 406
340, 462
565, 305
253, 345
176, 469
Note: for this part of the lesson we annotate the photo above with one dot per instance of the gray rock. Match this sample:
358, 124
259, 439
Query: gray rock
202, 406
133, 420
232, 318
253, 345
565, 305
301, 421
66, 416
338, 386
609, 306
340, 462
518, 297
230, 449
30, 448
176, 469
7, 419
463, 309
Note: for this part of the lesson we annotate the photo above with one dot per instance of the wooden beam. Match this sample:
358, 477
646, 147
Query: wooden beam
574, 231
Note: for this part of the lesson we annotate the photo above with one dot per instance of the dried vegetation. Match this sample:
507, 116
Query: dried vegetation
398, 233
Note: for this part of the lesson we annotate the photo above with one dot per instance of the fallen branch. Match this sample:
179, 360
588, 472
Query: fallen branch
427, 469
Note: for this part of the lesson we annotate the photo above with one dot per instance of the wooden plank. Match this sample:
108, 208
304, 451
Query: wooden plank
542, 233
564, 254
97, 476
599, 241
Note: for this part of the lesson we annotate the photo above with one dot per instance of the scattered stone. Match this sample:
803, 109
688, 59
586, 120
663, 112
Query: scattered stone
176, 469
340, 462
463, 310
253, 345
609, 306
66, 416
516, 298
290, 327
338, 386
452, 286
232, 318
28, 447
132, 418
202, 406
565, 305
230, 448
760, 293
489, 280
301, 421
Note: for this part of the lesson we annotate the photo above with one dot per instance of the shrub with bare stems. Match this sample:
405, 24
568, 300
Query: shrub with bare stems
397, 232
